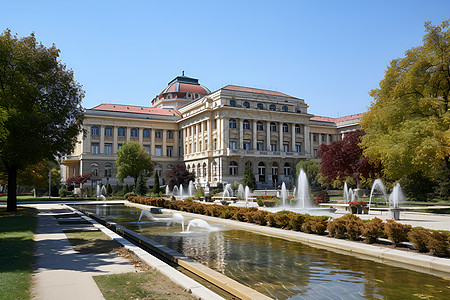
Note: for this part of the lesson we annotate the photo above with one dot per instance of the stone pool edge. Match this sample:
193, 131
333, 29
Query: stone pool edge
418, 262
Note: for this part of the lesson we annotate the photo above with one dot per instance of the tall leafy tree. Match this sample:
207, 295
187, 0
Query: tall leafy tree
40, 102
249, 178
311, 169
132, 160
155, 189
408, 123
342, 159
179, 175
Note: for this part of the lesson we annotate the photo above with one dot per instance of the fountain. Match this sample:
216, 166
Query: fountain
226, 192
246, 194
98, 190
378, 186
303, 199
395, 198
177, 218
283, 194
180, 191
147, 214
345, 192
175, 191
190, 189
200, 224
167, 190
241, 192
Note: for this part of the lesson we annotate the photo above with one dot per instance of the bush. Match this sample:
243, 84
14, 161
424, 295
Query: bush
372, 230
439, 243
419, 238
199, 193
240, 215
322, 197
109, 189
396, 232
353, 226
336, 228
62, 192
315, 224
129, 194
296, 221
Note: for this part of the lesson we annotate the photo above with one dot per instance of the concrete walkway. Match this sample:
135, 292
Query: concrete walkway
60, 272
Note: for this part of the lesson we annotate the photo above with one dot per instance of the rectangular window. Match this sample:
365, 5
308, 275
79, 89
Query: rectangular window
95, 148
158, 134
324, 138
286, 147
108, 149
147, 148
260, 145
215, 144
315, 151
158, 150
314, 137
273, 146
169, 151
119, 146
330, 138
215, 124
246, 144
298, 147
233, 145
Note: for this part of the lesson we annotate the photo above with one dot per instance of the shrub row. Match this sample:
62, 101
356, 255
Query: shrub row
348, 226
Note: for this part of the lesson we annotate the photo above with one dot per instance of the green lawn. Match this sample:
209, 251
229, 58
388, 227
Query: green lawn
16, 252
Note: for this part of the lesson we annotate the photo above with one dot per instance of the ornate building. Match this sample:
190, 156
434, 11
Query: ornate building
214, 134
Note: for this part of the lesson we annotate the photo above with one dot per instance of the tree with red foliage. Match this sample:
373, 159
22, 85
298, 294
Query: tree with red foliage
342, 159
179, 175
79, 179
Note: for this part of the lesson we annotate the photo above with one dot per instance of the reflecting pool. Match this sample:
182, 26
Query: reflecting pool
279, 268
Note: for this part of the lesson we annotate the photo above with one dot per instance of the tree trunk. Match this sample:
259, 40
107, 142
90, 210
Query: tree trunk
11, 202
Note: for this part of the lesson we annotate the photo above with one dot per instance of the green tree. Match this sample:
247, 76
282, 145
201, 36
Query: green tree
141, 188
37, 175
311, 169
109, 189
40, 102
179, 175
132, 160
407, 125
249, 178
155, 189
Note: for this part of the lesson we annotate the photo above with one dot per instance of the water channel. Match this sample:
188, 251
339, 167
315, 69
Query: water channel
279, 268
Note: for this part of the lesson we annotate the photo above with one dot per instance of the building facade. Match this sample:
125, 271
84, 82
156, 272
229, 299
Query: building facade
214, 134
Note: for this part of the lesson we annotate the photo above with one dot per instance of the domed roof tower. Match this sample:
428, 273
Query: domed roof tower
179, 92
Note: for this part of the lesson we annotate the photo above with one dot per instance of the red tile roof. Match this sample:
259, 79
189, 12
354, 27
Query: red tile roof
336, 120
253, 90
137, 109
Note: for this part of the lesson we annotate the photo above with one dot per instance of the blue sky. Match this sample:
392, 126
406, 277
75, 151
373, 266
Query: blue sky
330, 53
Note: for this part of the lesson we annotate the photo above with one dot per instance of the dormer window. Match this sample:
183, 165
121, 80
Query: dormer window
233, 103
272, 107
246, 104
260, 106
285, 108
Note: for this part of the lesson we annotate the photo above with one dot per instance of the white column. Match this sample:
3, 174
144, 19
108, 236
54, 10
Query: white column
307, 139
241, 134
115, 139
152, 139
128, 134
164, 138
267, 136
292, 137
254, 136
140, 136
280, 147
102, 140
224, 133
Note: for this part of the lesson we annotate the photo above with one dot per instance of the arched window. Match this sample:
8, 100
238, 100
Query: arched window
214, 168
272, 107
204, 170
287, 169
121, 131
232, 123
108, 170
284, 108
134, 132
285, 127
95, 130
232, 102
297, 128
169, 166
108, 131
199, 171
260, 106
94, 169
146, 134
233, 168
273, 126
246, 104
259, 126
169, 134
246, 124
261, 172
158, 169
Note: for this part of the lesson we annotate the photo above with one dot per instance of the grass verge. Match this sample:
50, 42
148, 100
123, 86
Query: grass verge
86, 242
16, 252
140, 285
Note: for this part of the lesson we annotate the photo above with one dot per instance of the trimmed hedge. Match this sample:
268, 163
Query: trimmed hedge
347, 226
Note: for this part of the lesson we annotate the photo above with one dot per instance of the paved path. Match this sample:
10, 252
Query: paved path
61, 273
